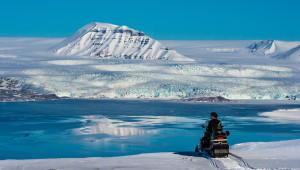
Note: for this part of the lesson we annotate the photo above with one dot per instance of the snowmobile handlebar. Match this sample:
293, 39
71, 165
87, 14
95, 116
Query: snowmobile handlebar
221, 121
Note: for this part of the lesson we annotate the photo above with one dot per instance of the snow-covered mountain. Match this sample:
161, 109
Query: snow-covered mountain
263, 47
112, 41
270, 47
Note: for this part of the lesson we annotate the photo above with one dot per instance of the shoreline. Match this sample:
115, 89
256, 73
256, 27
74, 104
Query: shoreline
231, 101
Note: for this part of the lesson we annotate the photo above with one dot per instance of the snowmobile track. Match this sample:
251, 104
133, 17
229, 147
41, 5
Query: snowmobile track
214, 163
211, 160
241, 161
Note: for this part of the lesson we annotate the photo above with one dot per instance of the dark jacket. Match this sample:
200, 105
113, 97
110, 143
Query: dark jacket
212, 125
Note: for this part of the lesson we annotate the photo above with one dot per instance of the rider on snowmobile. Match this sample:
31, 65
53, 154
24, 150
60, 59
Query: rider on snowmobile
213, 124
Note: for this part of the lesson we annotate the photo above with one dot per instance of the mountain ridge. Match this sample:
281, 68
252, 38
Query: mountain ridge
293, 53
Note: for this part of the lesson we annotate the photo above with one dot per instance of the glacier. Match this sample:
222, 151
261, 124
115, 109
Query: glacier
207, 69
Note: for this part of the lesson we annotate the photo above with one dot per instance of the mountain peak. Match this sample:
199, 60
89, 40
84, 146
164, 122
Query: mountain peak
267, 46
112, 41
99, 25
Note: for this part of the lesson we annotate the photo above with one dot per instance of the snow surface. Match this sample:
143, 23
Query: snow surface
257, 155
283, 116
220, 68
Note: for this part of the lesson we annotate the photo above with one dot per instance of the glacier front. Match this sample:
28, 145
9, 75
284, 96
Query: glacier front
217, 68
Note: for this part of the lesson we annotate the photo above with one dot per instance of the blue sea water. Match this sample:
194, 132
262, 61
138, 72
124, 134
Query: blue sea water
104, 128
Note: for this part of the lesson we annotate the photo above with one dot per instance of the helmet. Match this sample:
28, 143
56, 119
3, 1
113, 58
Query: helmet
214, 114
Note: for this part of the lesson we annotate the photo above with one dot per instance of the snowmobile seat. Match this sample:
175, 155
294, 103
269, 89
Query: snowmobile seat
218, 129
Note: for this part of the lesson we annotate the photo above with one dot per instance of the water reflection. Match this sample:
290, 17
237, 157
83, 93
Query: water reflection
132, 125
103, 125
179, 122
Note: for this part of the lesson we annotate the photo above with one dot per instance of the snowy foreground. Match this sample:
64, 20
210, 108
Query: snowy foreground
259, 155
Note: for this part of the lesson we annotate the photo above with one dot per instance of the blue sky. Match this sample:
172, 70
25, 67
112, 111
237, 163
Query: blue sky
160, 19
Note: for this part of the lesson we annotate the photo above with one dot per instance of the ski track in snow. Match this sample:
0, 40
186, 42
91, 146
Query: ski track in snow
228, 163
211, 161
241, 161
231, 162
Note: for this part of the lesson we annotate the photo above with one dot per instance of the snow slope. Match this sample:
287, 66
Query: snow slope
112, 41
293, 54
259, 155
270, 155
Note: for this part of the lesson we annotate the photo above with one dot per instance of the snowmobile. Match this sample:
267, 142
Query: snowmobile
217, 145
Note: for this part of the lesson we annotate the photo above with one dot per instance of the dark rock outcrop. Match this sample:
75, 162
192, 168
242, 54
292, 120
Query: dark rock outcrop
13, 90
207, 99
